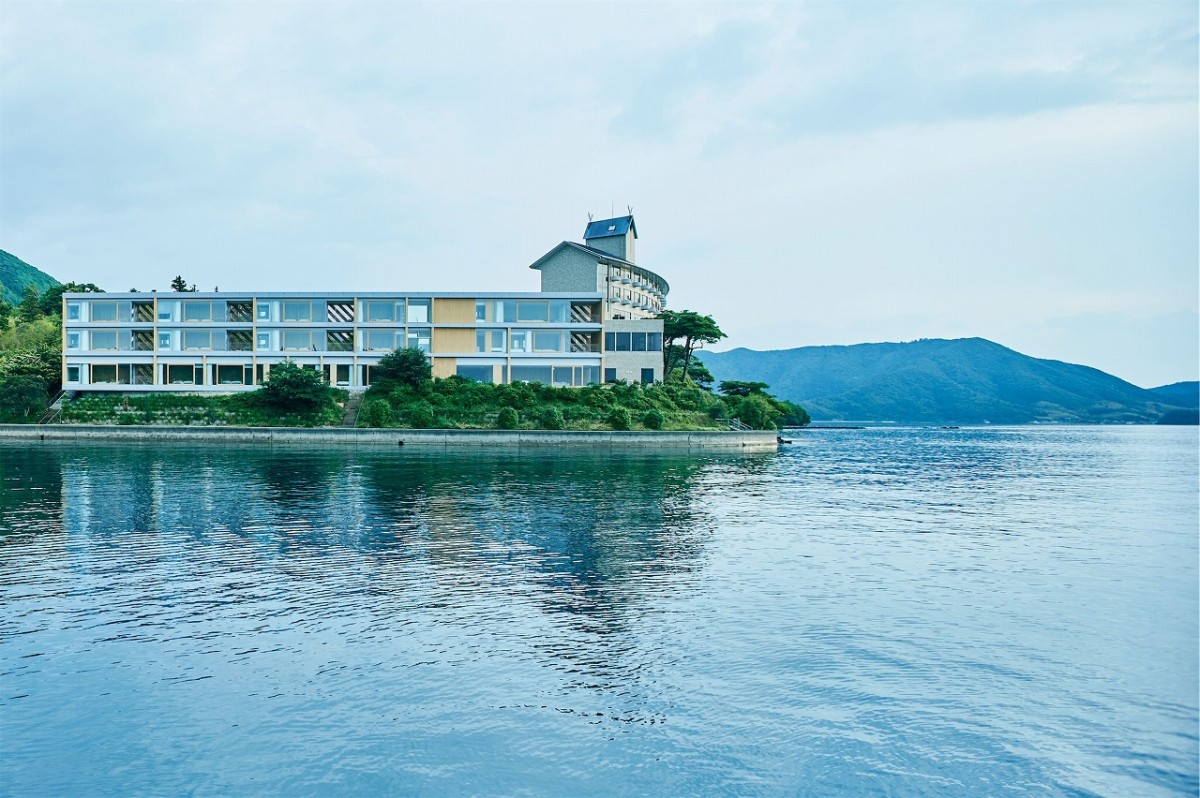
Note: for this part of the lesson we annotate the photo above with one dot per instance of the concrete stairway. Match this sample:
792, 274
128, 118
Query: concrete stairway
350, 416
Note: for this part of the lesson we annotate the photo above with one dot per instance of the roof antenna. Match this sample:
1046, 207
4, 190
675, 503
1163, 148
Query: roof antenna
630, 209
589, 216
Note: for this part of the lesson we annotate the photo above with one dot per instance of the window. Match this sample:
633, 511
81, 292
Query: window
164, 340
542, 374
624, 342
179, 375
104, 340
519, 341
229, 375
547, 341
560, 311
638, 342
647, 376
263, 311
341, 374
653, 342
475, 373
420, 338
72, 373
197, 339
104, 374
197, 311
72, 340
632, 342
263, 342
297, 311
481, 311
380, 340
296, 340
418, 311
489, 340
72, 311
533, 311
104, 311
610, 375
380, 311
563, 376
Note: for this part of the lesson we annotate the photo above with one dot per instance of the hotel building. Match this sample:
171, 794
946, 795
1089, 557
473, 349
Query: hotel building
592, 321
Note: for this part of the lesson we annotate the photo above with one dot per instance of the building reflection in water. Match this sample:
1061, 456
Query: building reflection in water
569, 547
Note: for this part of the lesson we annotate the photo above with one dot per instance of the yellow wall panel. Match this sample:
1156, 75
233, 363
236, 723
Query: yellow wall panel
453, 311
453, 340
444, 366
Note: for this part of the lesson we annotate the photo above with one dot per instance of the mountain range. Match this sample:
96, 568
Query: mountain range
960, 381
16, 274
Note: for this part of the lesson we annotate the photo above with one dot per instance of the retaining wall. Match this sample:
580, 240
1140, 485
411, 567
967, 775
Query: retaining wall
755, 440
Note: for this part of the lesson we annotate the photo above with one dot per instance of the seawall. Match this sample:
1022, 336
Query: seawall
715, 440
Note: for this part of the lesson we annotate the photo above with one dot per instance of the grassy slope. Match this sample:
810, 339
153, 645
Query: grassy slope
15, 274
963, 381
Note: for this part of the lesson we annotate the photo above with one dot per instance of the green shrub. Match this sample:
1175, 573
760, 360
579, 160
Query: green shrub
758, 412
376, 413
619, 419
420, 416
507, 418
553, 419
289, 388
654, 419
407, 367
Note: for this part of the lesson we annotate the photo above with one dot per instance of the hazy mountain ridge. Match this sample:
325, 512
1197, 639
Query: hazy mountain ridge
966, 380
16, 274
1180, 394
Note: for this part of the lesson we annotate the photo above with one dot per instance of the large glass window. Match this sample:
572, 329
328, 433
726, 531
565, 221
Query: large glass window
72, 340
476, 373
104, 374
262, 311
533, 311
179, 375
543, 374
633, 342
547, 341
104, 311
519, 341
380, 310
639, 342
104, 340
197, 339
164, 339
418, 311
72, 373
563, 376
197, 311
481, 311
560, 311
380, 340
296, 340
297, 311
489, 341
420, 338
262, 342
72, 311
229, 375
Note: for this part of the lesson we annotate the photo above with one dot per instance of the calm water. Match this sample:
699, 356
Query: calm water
877, 612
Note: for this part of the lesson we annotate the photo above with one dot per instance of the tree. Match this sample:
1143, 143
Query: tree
6, 312
507, 418
291, 389
21, 396
51, 301
691, 328
758, 412
408, 367
741, 388
30, 308
181, 285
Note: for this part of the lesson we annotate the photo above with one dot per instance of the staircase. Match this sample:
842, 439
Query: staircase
736, 425
350, 416
56, 405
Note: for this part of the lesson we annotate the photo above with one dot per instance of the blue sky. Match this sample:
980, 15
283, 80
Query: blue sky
808, 173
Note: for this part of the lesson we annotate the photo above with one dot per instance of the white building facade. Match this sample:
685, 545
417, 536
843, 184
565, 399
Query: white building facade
580, 329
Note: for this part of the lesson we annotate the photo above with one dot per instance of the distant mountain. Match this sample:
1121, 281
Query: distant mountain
15, 274
967, 381
1180, 394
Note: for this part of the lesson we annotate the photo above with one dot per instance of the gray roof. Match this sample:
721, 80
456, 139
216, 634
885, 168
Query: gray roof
610, 227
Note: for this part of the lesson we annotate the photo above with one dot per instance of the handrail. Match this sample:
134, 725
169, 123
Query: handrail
736, 425
54, 409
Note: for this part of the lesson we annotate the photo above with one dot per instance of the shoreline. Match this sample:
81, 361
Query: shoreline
758, 440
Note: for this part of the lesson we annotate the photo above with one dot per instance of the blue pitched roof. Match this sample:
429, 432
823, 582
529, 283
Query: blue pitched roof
610, 227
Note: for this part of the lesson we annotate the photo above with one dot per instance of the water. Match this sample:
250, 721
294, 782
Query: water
876, 612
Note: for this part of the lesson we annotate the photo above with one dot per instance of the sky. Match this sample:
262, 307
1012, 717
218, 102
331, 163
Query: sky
808, 173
